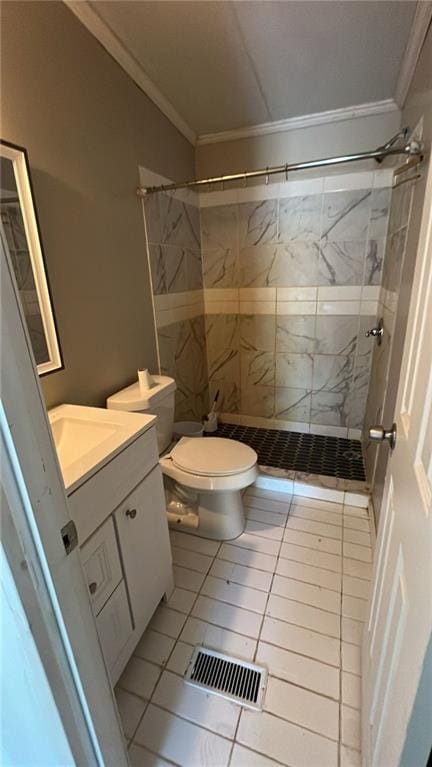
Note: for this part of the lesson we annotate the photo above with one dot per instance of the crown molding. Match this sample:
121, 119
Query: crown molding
416, 38
107, 38
304, 121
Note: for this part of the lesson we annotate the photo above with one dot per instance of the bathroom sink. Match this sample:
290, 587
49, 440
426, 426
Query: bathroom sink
87, 437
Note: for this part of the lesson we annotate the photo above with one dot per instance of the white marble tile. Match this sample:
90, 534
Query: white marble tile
301, 640
180, 657
264, 529
182, 742
198, 706
302, 707
167, 621
311, 557
297, 294
221, 307
303, 615
299, 670
351, 690
194, 543
139, 677
257, 307
350, 727
234, 594
181, 600
221, 294
296, 307
347, 181
320, 493
360, 500
310, 541
308, 594
339, 307
340, 293
286, 742
187, 579
351, 658
228, 617
131, 709
246, 576
247, 557
257, 294
257, 492
309, 574
197, 631
154, 647
191, 560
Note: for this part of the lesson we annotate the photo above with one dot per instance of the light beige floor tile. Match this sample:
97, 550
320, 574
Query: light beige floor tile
355, 587
182, 742
140, 757
350, 727
180, 657
244, 757
356, 523
228, 617
234, 594
299, 670
355, 511
316, 515
262, 515
316, 503
194, 543
350, 757
316, 528
197, 631
351, 658
182, 600
352, 551
351, 690
256, 543
309, 574
353, 607
275, 495
131, 709
139, 677
190, 559
167, 621
300, 640
318, 542
311, 557
357, 569
196, 705
269, 504
187, 579
306, 593
246, 576
264, 530
356, 536
303, 615
286, 742
247, 558
302, 707
154, 647
352, 631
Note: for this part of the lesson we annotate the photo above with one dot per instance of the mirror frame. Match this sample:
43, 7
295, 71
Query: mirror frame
18, 156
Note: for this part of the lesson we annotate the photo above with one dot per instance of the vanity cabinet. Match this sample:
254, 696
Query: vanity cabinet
120, 515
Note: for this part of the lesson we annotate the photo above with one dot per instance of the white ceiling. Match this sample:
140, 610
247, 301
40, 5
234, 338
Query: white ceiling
224, 65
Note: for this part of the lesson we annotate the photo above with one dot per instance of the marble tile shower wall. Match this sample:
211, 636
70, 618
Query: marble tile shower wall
291, 286
174, 249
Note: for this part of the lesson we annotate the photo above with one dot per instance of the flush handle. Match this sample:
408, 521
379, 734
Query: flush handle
131, 513
379, 434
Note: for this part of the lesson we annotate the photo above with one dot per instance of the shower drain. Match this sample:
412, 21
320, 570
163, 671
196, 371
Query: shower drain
228, 677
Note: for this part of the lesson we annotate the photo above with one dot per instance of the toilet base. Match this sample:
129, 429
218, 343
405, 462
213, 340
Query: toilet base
216, 515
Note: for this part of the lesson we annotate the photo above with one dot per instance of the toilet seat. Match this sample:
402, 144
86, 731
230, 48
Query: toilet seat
213, 456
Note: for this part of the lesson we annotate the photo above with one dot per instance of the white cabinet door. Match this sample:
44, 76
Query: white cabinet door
101, 562
144, 545
114, 626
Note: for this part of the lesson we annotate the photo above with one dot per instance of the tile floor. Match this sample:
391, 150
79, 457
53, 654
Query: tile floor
290, 593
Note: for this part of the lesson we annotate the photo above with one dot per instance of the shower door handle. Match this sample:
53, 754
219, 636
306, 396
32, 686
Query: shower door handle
379, 434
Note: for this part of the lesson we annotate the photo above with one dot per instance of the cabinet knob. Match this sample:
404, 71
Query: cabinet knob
131, 513
92, 587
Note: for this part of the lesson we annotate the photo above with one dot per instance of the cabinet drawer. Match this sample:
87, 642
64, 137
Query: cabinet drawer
101, 561
114, 625
94, 501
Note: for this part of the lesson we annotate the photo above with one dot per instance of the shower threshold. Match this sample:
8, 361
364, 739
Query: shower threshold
311, 454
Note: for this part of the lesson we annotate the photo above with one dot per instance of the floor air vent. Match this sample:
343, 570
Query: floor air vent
231, 678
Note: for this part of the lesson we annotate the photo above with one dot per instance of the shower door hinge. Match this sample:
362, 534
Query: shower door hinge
70, 536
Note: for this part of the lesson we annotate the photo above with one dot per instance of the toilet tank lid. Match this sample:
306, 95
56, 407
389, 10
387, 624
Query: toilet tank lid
132, 398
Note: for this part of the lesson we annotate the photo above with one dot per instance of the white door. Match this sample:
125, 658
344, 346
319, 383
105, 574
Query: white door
51, 585
400, 618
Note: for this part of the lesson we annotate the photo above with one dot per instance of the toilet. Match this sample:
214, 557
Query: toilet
203, 476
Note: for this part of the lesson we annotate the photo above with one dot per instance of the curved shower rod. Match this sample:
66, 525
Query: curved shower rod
411, 149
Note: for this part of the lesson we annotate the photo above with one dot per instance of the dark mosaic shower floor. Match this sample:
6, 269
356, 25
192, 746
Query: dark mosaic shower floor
290, 450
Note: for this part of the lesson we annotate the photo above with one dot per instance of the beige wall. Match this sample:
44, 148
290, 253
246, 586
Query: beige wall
86, 127
354, 135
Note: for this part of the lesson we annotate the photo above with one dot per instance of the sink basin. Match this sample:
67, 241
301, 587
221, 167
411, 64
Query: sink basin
87, 437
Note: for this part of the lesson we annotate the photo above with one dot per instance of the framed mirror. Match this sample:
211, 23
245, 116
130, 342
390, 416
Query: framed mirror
19, 233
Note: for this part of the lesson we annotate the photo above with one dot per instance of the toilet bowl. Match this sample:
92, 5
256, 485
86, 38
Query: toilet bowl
203, 476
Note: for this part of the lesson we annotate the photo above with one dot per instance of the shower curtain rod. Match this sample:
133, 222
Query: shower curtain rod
413, 148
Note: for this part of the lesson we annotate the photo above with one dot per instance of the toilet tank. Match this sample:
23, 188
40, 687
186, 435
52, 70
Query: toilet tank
158, 400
